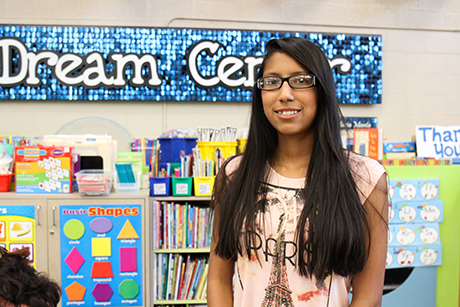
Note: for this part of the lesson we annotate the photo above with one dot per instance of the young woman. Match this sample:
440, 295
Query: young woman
301, 217
21, 285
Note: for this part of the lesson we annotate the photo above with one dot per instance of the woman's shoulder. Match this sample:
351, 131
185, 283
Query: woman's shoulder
366, 172
232, 164
359, 163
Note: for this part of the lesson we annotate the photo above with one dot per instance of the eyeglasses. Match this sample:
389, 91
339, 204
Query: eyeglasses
272, 83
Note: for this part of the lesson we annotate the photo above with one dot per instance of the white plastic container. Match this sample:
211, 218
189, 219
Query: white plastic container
94, 182
130, 187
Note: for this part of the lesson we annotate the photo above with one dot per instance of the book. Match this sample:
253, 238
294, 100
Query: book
170, 276
181, 279
201, 283
196, 276
368, 142
164, 275
190, 276
185, 265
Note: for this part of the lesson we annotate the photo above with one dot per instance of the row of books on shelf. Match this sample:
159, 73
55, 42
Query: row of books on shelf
181, 225
180, 277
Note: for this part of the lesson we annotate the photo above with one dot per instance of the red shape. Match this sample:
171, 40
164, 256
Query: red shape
102, 269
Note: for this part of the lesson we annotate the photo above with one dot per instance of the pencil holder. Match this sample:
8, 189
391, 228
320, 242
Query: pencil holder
159, 186
170, 148
5, 182
203, 186
181, 186
208, 149
241, 145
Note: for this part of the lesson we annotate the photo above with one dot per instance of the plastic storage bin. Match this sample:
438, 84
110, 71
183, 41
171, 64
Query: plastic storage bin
159, 186
207, 149
241, 145
5, 182
203, 186
128, 187
182, 186
171, 147
94, 182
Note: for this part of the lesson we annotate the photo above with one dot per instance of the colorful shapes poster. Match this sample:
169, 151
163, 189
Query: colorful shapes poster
17, 228
101, 255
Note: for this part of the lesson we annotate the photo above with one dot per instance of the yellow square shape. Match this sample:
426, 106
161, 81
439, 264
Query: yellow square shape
101, 247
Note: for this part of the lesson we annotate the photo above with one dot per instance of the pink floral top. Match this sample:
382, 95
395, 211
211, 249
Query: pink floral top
274, 281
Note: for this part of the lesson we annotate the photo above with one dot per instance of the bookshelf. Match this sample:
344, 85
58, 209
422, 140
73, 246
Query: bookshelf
181, 238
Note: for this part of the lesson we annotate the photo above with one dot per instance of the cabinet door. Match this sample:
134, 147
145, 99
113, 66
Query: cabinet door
23, 224
96, 248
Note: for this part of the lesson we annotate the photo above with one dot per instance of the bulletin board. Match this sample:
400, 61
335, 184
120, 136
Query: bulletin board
17, 229
448, 274
101, 255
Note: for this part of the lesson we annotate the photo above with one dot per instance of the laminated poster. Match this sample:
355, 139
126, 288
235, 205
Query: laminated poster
17, 229
101, 255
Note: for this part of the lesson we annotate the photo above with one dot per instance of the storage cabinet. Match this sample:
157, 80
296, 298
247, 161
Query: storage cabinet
93, 246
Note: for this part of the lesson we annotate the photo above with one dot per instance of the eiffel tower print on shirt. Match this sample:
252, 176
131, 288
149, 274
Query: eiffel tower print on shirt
277, 293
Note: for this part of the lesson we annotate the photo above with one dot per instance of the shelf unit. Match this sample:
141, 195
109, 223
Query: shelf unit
194, 252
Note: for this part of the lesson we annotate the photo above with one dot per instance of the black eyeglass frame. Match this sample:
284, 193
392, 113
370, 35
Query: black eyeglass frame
287, 79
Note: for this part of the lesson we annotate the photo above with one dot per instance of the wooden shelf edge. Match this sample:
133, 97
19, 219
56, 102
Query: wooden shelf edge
182, 250
178, 302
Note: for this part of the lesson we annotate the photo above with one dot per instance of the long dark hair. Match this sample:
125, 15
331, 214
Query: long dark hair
337, 227
20, 283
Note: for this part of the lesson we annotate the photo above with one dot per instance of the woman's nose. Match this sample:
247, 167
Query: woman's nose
286, 92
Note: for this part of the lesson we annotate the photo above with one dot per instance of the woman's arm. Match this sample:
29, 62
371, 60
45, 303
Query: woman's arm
220, 275
368, 284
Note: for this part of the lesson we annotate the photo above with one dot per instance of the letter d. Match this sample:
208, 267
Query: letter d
6, 46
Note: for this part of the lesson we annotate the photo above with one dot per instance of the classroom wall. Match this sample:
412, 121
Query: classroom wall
421, 58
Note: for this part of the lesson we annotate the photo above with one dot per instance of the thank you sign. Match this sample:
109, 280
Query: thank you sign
440, 142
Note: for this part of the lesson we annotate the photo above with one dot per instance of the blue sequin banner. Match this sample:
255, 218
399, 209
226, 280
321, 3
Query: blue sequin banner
166, 64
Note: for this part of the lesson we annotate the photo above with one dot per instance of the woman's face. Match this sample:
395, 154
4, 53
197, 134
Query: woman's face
290, 111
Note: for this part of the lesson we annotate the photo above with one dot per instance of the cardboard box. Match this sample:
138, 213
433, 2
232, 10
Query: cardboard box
43, 169
391, 147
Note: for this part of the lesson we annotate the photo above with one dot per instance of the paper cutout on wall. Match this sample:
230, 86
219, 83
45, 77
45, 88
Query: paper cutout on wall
75, 292
2, 231
101, 247
128, 259
128, 289
74, 260
102, 292
74, 229
128, 232
102, 269
101, 225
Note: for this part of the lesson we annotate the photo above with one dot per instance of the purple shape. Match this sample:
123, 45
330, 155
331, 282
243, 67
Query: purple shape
102, 292
101, 225
128, 259
74, 260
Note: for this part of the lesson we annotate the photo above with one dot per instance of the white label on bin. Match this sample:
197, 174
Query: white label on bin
182, 188
204, 188
159, 188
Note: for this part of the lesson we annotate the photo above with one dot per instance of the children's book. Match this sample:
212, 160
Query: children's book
368, 142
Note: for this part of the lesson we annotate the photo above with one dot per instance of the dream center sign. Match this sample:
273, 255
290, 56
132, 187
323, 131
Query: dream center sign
156, 64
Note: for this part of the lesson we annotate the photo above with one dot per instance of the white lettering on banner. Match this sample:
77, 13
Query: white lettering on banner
7, 46
73, 69
231, 65
90, 71
438, 141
